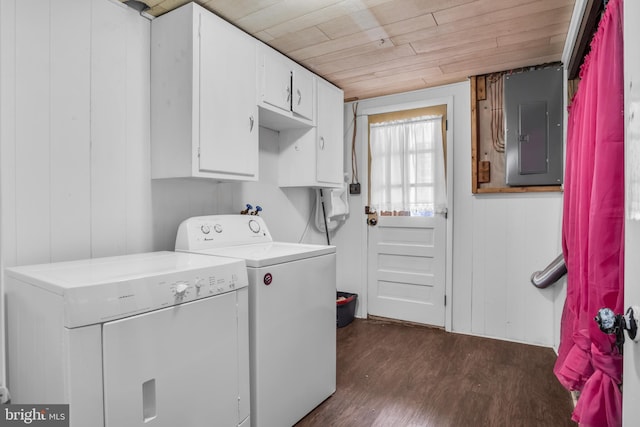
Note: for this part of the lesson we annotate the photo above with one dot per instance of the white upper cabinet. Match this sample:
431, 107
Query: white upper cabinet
314, 157
302, 93
276, 80
330, 168
286, 91
203, 96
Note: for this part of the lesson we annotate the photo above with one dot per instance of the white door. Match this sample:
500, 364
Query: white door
228, 111
407, 254
407, 268
631, 369
177, 366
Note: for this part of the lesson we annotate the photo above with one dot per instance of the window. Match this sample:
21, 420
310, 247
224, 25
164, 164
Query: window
407, 166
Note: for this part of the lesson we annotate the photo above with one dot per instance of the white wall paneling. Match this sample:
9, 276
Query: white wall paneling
70, 131
78, 185
138, 227
7, 157
351, 258
7, 133
512, 238
174, 200
108, 129
32, 122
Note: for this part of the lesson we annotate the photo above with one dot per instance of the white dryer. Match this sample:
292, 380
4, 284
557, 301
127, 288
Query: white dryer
292, 313
156, 339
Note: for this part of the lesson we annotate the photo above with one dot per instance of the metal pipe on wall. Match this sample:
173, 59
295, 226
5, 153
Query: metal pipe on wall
551, 274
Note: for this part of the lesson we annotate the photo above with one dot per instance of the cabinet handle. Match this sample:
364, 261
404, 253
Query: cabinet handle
299, 96
288, 94
322, 143
251, 121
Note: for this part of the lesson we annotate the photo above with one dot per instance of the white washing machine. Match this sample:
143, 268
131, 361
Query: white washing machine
155, 339
292, 313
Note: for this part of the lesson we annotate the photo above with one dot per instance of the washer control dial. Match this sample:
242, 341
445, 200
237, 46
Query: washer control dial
205, 229
217, 228
254, 226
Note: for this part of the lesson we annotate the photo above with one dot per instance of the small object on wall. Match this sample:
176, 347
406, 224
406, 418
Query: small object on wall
332, 209
354, 188
246, 211
484, 172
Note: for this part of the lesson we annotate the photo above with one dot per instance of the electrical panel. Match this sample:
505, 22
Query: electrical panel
533, 138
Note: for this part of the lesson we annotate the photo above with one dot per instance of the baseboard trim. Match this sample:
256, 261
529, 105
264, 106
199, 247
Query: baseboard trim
402, 322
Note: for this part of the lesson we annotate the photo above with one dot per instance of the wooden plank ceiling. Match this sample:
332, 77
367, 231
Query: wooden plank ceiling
379, 47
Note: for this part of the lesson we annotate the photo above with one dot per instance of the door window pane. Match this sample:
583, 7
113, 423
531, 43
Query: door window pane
407, 166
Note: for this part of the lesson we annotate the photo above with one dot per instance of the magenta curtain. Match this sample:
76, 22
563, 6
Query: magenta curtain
593, 228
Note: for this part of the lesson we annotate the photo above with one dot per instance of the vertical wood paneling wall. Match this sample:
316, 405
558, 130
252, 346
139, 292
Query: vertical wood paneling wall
33, 124
75, 137
70, 131
78, 185
513, 236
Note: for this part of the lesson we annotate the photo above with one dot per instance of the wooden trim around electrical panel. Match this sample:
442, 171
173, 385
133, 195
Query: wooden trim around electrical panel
474, 134
475, 143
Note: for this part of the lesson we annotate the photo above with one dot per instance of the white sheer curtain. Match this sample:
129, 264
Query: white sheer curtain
408, 167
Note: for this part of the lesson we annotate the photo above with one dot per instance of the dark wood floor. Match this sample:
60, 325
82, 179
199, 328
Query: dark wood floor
392, 374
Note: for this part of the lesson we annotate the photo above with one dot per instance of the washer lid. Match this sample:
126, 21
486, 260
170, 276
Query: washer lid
265, 254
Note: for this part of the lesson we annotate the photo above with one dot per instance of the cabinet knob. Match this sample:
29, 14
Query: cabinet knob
251, 122
321, 143
299, 96
288, 93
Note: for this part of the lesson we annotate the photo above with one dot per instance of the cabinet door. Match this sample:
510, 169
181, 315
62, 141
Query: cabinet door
302, 101
227, 121
329, 144
276, 84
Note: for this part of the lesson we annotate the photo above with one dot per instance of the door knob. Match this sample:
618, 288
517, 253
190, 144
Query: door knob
615, 324
372, 216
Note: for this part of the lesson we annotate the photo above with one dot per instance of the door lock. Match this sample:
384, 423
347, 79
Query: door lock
372, 216
615, 324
